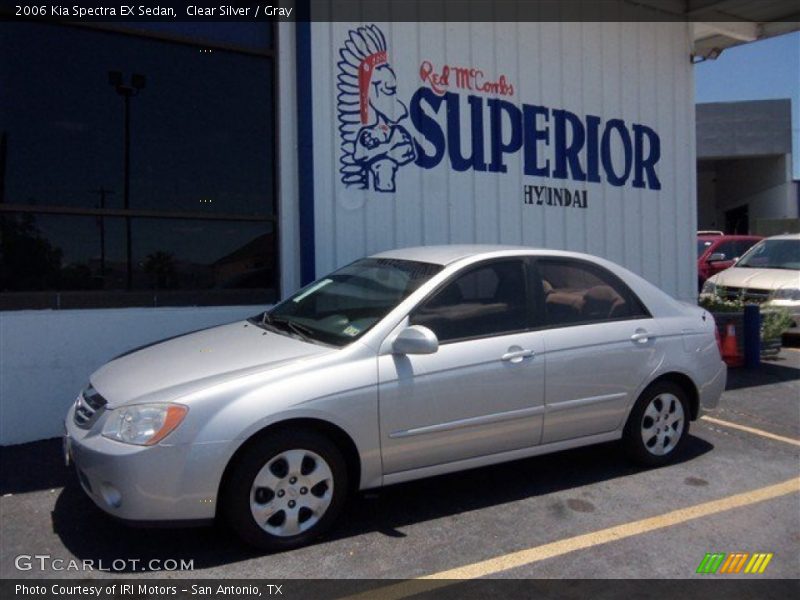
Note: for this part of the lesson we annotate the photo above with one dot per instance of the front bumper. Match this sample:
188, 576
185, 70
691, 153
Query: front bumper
145, 483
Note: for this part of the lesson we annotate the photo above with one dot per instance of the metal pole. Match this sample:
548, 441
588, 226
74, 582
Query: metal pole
103, 236
126, 190
102, 192
752, 336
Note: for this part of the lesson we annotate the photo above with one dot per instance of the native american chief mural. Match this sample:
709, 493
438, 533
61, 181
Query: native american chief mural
373, 144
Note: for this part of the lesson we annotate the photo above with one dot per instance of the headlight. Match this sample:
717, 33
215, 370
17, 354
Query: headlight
143, 424
709, 287
786, 293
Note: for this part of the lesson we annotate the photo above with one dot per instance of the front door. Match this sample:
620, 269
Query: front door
482, 392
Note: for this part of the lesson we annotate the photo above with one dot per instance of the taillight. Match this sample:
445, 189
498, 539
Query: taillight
718, 338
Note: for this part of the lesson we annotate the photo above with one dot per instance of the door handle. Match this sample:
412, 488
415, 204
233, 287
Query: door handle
516, 356
641, 336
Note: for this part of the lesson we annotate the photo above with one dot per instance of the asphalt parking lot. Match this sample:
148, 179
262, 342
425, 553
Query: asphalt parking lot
584, 513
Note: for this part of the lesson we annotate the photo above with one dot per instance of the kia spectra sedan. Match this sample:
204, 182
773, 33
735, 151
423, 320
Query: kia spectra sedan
406, 364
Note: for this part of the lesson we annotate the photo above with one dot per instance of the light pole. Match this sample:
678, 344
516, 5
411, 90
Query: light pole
116, 80
102, 192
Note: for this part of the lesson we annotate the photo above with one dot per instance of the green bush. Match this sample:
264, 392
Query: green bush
774, 322
716, 304
774, 319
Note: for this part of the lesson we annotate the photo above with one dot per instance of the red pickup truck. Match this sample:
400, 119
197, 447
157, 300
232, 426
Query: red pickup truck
717, 252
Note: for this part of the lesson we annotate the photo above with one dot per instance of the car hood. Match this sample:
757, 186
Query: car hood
181, 365
765, 279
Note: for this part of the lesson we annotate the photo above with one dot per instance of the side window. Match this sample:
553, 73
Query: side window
486, 300
576, 292
729, 249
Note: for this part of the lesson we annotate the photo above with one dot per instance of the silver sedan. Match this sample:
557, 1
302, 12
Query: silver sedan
406, 364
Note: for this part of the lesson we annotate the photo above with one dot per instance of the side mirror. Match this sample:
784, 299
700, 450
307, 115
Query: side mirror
415, 340
717, 257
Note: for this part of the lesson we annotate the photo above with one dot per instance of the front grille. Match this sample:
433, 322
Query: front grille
747, 294
88, 407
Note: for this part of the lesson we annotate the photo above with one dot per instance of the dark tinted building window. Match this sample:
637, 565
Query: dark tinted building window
188, 218
487, 300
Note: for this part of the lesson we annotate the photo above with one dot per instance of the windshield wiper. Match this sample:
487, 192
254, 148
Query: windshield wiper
301, 330
765, 267
264, 322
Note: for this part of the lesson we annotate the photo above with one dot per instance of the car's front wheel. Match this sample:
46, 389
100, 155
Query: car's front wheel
658, 424
285, 488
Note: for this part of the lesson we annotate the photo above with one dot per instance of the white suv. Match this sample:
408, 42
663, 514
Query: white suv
768, 273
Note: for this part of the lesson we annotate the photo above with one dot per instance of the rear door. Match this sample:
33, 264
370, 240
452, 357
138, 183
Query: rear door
601, 344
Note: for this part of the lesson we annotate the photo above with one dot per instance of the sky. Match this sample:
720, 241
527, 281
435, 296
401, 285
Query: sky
766, 69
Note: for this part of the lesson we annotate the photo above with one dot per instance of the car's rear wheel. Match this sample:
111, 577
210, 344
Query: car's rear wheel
658, 424
285, 489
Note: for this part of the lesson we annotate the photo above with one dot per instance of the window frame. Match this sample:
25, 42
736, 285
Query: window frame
619, 285
115, 298
466, 270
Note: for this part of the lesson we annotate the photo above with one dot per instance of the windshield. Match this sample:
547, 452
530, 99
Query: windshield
772, 254
701, 246
344, 305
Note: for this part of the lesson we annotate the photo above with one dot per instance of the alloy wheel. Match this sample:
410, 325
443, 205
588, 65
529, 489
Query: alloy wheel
662, 424
291, 492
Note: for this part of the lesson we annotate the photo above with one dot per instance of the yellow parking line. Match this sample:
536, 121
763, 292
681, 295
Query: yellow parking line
753, 430
538, 553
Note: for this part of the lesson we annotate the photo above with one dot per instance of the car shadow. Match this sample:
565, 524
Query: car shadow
771, 372
33, 466
89, 534
389, 509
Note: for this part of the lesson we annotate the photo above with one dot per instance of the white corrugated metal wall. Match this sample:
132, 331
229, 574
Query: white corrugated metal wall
637, 72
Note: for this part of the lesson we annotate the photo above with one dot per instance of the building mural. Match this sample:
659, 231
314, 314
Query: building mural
554, 143
575, 136
374, 143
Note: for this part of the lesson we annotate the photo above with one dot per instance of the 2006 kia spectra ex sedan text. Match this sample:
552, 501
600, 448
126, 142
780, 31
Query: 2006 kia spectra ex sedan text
406, 364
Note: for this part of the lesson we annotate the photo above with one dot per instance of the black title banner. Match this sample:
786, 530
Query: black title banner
391, 10
357, 589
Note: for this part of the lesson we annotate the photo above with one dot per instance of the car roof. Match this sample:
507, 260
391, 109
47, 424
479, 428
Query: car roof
785, 236
726, 237
447, 254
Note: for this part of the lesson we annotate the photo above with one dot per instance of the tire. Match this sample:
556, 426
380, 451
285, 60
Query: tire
646, 438
298, 474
